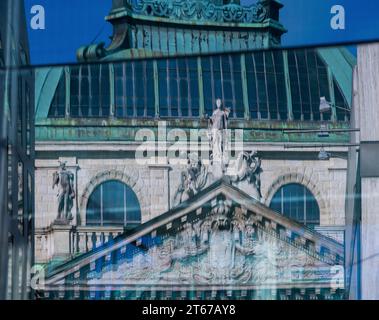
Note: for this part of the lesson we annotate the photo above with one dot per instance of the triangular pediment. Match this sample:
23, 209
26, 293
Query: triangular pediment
220, 238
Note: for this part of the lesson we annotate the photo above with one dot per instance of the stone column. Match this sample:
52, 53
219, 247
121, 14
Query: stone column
368, 110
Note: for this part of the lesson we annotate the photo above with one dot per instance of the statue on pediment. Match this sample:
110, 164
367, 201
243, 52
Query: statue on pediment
64, 179
248, 173
218, 126
193, 179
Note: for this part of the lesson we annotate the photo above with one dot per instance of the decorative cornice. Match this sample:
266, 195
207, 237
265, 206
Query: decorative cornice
201, 10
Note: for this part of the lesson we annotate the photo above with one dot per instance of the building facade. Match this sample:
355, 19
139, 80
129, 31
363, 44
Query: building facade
16, 154
361, 213
130, 147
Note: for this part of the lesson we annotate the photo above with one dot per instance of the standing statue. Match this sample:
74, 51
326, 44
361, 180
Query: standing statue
64, 179
218, 125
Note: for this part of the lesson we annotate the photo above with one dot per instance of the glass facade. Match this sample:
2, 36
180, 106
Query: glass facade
297, 202
178, 88
16, 155
133, 89
266, 85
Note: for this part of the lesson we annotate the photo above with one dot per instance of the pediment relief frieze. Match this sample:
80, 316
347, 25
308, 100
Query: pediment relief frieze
218, 239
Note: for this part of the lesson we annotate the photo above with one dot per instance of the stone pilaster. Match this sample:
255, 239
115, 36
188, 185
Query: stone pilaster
159, 189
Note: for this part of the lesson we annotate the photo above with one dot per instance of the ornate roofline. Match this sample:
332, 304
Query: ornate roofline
174, 27
200, 10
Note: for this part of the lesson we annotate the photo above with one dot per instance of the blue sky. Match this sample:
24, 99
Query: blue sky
73, 23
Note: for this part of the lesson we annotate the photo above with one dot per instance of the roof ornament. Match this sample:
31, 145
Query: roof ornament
201, 10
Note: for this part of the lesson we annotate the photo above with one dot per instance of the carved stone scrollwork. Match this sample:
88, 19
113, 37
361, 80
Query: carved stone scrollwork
201, 10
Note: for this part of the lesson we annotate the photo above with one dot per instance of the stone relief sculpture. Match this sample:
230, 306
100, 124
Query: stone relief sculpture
64, 179
227, 247
248, 173
193, 179
201, 10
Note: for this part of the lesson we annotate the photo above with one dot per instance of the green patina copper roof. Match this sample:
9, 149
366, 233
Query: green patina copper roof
267, 90
161, 27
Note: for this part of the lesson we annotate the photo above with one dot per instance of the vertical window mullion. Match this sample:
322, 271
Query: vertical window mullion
90, 91
79, 92
125, 211
282, 201
169, 103
233, 86
266, 87
189, 96
124, 93
256, 88
299, 85
212, 80
309, 86
276, 86
145, 88
100, 97
179, 97
318, 85
305, 205
222, 78
101, 206
134, 89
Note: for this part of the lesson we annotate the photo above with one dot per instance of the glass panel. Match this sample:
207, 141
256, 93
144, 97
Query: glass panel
104, 94
93, 214
272, 92
252, 86
281, 84
295, 87
297, 202
207, 86
58, 105
113, 203
163, 88
342, 106
133, 211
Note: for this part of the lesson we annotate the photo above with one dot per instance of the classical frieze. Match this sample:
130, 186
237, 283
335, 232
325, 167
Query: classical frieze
201, 10
219, 238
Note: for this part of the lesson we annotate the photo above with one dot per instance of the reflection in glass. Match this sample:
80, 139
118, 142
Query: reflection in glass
297, 202
113, 203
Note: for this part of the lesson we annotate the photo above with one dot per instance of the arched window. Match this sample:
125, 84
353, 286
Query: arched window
296, 202
113, 203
